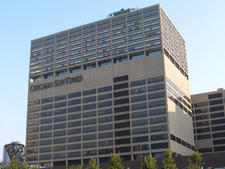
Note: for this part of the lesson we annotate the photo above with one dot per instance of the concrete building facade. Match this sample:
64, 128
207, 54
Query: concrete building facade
116, 85
209, 121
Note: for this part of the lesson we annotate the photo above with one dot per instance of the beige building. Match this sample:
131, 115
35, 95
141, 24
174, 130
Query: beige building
209, 121
116, 85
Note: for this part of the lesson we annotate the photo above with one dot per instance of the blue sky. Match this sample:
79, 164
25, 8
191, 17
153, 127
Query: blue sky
201, 23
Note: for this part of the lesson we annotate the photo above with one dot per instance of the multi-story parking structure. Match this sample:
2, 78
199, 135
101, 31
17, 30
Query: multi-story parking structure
116, 85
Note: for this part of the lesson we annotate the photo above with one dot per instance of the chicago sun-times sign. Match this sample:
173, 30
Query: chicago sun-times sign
56, 83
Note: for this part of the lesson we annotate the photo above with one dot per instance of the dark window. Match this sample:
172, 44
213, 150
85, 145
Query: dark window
73, 154
89, 114
89, 99
46, 149
140, 122
46, 100
140, 139
120, 78
201, 104
123, 149
121, 93
105, 104
76, 94
73, 146
120, 86
89, 137
46, 114
202, 123
219, 121
156, 95
45, 128
88, 92
218, 128
155, 87
206, 116
45, 157
216, 108
220, 148
122, 125
159, 145
89, 129
212, 96
159, 137
89, 106
74, 102
122, 117
45, 135
203, 130
89, 145
45, 107
61, 104
60, 126
44, 121
217, 135
140, 130
59, 111
105, 143
61, 118
157, 120
57, 98
105, 135
105, 96
121, 109
122, 133
215, 115
158, 128
105, 151
121, 101
105, 127
105, 119
157, 111
74, 116
74, 139
205, 150
105, 89
74, 131
139, 106
104, 112
89, 121
74, 124
60, 133
122, 141
138, 83
203, 110
139, 114
138, 98
59, 148
155, 79
45, 142
206, 136
74, 109
213, 102
138, 90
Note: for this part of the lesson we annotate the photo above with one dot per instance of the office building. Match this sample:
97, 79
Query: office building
209, 121
115, 85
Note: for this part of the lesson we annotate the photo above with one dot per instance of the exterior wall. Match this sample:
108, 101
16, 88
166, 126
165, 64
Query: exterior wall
209, 121
111, 73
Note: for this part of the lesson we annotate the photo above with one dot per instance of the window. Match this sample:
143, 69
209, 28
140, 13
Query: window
88, 67
213, 102
157, 120
89, 114
89, 92
57, 98
201, 104
121, 109
105, 104
89, 106
156, 79
120, 78
105, 96
89, 99
105, 119
140, 139
46, 100
139, 106
105, 127
157, 103
122, 125
121, 59
74, 102
156, 87
138, 98
76, 94
159, 146
121, 101
158, 128
122, 133
89, 122
140, 122
61, 72
122, 141
104, 89
216, 108
159, 137
156, 95
74, 116
140, 130
75, 69
104, 112
104, 63
138, 90
121, 93
152, 53
216, 95
139, 114
74, 109
120, 86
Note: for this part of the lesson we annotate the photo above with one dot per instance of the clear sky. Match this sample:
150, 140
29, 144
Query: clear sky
200, 22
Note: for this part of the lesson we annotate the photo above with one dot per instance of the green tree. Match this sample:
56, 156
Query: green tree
167, 161
115, 162
92, 164
194, 160
75, 167
149, 163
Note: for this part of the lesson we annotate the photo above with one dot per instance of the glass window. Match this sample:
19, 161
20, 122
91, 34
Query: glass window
60, 133
46, 114
140, 139
89, 137
140, 122
89, 106
74, 109
44, 121
215, 115
105, 127
216, 95
120, 86
46, 100
156, 95
121, 109
73, 146
89, 99
74, 139
139, 106
60, 118
156, 87
105, 104
76, 94
122, 133
74, 131
74, 102
138, 98
139, 114
89, 121
158, 128
138, 90
89, 129
138, 83
139, 130
216, 108
136, 56
157, 103
155, 79
122, 117
121, 93
105, 119
74, 124
213, 102
46, 107
104, 89
89, 114
74, 116
59, 111
57, 98
159, 137
120, 78
122, 125
60, 104
104, 112
121, 101
60, 126
105, 135
122, 141
157, 120
159, 145
88, 92
105, 96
